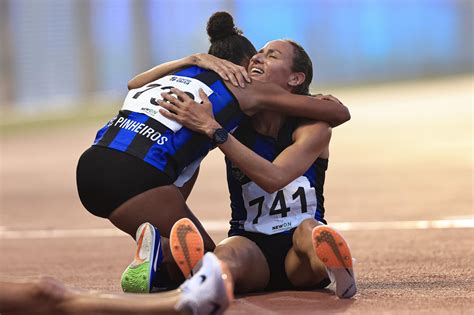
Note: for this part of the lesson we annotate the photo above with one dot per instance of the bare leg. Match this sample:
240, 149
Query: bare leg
48, 296
246, 262
162, 207
103, 303
39, 297
303, 268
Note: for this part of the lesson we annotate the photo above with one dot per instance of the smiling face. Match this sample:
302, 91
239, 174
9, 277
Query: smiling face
273, 63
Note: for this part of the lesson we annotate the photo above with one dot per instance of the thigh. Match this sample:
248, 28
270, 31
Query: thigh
107, 178
246, 262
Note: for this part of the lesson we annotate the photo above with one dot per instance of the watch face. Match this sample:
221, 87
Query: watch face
220, 136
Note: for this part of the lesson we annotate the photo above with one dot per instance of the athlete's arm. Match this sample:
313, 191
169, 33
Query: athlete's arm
228, 71
310, 139
269, 96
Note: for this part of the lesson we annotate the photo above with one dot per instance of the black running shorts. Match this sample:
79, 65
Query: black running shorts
106, 178
275, 248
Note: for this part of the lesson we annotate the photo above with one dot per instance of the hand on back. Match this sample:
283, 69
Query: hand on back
184, 110
227, 70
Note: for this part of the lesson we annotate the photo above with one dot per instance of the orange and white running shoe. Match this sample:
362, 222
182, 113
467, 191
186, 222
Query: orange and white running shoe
187, 246
334, 252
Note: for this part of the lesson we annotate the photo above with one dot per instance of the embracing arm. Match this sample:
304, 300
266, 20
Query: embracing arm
310, 139
269, 96
159, 71
237, 75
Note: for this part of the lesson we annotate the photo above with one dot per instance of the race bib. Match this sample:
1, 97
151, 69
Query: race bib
145, 99
280, 211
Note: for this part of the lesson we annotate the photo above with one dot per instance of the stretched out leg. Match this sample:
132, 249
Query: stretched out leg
40, 297
105, 303
48, 296
210, 290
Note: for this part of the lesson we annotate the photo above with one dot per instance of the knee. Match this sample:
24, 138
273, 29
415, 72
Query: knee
302, 234
239, 253
226, 253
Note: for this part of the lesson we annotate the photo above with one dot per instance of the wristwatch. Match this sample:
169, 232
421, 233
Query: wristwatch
219, 136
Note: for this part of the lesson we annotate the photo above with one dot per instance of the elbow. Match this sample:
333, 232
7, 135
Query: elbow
348, 114
130, 85
343, 116
270, 189
272, 185
134, 84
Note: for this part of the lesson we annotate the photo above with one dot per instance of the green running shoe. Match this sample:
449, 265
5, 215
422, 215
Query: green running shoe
138, 277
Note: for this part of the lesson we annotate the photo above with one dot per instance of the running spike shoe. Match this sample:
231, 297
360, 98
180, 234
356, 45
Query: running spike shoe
334, 252
139, 276
187, 246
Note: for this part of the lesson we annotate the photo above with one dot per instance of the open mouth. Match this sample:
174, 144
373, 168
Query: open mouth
257, 71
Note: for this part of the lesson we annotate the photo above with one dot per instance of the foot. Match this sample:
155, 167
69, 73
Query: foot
187, 246
334, 252
209, 291
140, 274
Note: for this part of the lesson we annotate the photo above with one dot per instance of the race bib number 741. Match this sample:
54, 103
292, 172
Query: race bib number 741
145, 99
279, 211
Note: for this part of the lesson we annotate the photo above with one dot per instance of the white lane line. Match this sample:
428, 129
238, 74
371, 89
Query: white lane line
223, 225
405, 225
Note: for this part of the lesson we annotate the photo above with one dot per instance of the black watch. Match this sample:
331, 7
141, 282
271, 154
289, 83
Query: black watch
219, 136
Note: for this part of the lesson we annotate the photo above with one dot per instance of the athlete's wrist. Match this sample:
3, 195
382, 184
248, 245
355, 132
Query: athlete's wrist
193, 59
211, 128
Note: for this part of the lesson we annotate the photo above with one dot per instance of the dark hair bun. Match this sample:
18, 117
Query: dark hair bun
221, 25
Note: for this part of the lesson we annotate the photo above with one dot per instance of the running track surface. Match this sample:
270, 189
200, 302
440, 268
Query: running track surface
406, 155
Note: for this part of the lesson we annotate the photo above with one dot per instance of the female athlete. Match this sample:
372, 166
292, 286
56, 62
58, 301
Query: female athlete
275, 170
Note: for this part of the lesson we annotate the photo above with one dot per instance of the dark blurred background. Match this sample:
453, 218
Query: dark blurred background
60, 54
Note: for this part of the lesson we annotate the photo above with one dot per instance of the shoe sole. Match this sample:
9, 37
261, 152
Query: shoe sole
187, 246
334, 252
138, 276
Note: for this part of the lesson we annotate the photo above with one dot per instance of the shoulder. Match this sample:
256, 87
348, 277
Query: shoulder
312, 130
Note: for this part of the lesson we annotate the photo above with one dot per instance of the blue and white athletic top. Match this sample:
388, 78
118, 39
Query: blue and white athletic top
140, 130
253, 209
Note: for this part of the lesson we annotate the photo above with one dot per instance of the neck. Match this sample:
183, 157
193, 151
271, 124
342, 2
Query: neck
268, 123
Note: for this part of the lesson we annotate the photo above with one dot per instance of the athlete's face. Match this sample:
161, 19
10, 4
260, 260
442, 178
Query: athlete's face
273, 63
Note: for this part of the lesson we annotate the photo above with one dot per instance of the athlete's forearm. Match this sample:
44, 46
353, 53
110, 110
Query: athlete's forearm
332, 112
160, 71
269, 96
261, 171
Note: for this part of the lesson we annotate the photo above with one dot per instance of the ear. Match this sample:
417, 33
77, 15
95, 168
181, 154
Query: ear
296, 78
